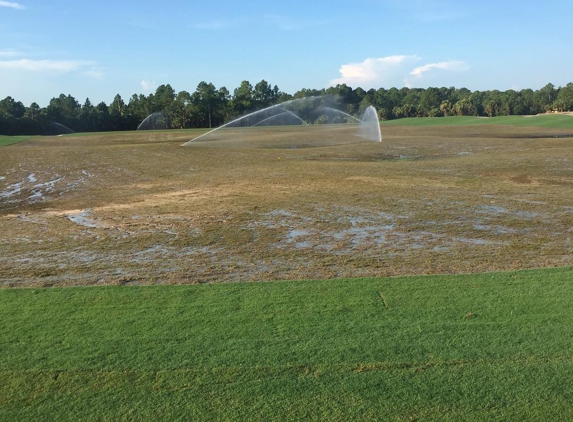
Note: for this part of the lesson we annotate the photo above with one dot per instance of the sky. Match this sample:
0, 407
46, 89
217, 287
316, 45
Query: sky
97, 49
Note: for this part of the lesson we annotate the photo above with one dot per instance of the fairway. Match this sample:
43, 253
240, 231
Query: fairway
264, 204
296, 203
561, 120
9, 140
443, 348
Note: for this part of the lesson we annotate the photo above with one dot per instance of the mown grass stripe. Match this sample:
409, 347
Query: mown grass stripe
555, 121
315, 350
10, 140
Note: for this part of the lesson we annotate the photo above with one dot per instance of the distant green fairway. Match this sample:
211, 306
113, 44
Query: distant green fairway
9, 140
492, 346
556, 121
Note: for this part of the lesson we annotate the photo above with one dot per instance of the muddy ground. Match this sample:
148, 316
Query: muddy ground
137, 208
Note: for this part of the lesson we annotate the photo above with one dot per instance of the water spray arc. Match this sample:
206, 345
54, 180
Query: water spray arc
155, 121
55, 128
304, 111
236, 122
286, 112
340, 113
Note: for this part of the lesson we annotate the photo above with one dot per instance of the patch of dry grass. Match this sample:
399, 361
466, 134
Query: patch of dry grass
309, 203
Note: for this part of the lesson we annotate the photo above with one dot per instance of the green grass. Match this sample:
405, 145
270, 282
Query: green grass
9, 140
556, 121
474, 347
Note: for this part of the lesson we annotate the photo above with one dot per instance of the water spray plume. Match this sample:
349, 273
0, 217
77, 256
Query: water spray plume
370, 125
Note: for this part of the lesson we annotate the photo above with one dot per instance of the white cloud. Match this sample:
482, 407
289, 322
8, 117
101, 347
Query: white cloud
12, 5
421, 71
394, 71
148, 85
44, 65
448, 65
374, 72
9, 53
94, 73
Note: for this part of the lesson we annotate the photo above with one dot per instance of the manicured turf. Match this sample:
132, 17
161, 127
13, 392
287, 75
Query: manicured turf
478, 347
556, 121
9, 140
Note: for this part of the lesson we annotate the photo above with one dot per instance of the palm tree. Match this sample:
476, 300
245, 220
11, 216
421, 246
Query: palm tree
492, 108
446, 108
464, 107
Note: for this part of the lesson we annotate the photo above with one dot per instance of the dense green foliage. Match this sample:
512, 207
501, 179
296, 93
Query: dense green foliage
469, 347
209, 106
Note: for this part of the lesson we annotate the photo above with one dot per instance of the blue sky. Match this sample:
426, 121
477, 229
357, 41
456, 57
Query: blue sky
97, 49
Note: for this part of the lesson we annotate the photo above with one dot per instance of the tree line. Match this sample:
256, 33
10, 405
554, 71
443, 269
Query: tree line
209, 106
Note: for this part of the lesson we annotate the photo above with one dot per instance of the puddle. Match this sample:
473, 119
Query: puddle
49, 185
475, 241
151, 254
528, 215
11, 190
82, 219
279, 213
495, 229
528, 201
23, 217
364, 235
36, 196
483, 209
293, 234
494, 209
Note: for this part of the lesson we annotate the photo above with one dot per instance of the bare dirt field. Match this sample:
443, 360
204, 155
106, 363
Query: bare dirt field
137, 208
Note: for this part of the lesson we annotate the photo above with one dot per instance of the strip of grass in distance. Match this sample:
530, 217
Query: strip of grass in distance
556, 121
469, 347
138, 132
9, 140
